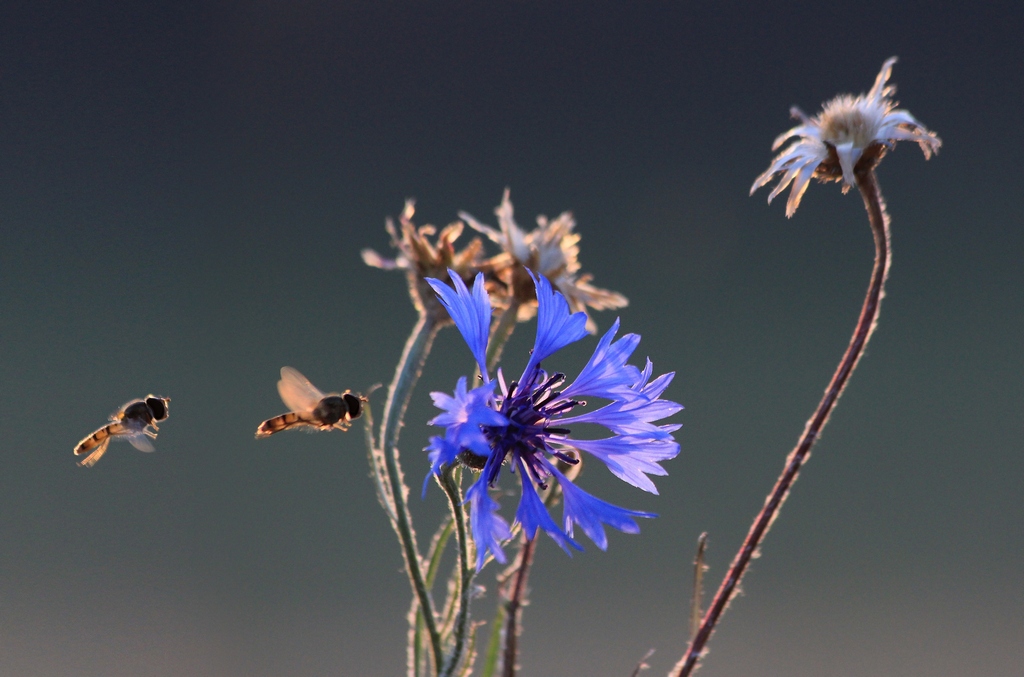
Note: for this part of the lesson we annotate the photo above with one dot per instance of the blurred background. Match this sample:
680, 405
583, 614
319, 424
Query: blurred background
184, 192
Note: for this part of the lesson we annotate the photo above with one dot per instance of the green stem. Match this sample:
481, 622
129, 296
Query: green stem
494, 644
444, 532
416, 625
501, 331
450, 482
407, 373
377, 466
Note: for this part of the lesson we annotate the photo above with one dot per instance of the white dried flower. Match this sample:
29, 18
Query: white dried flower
552, 250
849, 133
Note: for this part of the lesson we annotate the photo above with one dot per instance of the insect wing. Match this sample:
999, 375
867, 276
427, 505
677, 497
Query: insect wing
140, 442
297, 393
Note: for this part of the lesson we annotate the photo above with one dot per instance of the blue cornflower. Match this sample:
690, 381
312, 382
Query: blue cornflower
524, 423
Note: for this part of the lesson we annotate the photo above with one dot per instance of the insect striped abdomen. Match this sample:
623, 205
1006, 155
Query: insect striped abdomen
97, 438
283, 422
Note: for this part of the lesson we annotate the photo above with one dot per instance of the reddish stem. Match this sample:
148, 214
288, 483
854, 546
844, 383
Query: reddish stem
513, 606
868, 185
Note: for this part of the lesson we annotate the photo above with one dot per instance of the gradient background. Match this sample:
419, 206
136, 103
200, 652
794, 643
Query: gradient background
184, 191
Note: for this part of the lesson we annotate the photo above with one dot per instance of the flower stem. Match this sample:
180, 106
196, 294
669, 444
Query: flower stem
506, 618
490, 664
416, 622
501, 331
699, 568
879, 221
408, 371
450, 482
513, 604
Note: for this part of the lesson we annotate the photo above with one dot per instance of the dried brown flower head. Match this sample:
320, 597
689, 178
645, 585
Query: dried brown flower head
420, 258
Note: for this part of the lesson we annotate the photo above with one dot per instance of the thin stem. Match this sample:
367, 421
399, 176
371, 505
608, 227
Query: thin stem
408, 371
494, 643
642, 665
440, 539
468, 663
501, 617
450, 482
378, 466
501, 332
416, 625
879, 220
696, 604
513, 606
490, 665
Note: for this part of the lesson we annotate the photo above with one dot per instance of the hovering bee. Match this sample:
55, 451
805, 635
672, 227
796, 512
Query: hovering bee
131, 422
310, 407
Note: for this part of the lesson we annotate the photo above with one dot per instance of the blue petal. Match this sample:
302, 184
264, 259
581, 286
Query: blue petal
607, 374
653, 390
488, 527
656, 387
591, 513
471, 312
442, 452
631, 457
633, 416
465, 415
453, 406
556, 326
532, 514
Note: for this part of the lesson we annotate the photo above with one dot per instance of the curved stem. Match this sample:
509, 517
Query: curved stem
451, 485
407, 373
416, 619
879, 220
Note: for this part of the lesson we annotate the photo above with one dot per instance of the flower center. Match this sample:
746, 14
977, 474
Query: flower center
847, 120
529, 408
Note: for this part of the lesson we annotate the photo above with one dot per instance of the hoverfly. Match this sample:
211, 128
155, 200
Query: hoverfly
310, 407
131, 422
